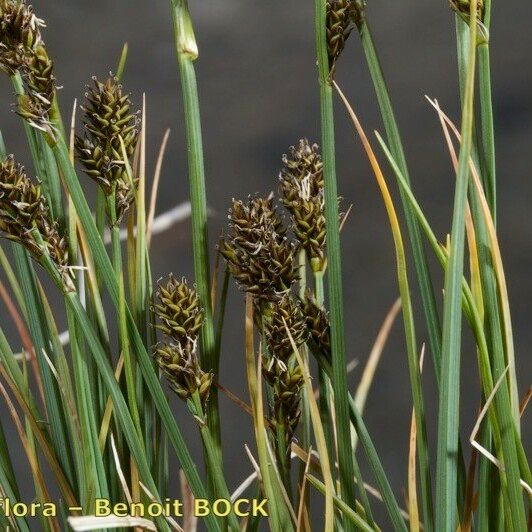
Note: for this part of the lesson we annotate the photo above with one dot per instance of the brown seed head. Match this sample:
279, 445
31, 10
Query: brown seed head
22, 49
342, 16
108, 119
181, 318
38, 76
179, 363
258, 254
23, 210
179, 311
19, 34
301, 180
317, 323
288, 311
286, 380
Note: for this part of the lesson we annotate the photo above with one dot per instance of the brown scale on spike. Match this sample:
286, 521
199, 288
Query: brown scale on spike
288, 311
178, 309
317, 323
180, 317
20, 34
180, 366
280, 367
342, 16
22, 50
257, 251
301, 184
38, 75
108, 121
24, 210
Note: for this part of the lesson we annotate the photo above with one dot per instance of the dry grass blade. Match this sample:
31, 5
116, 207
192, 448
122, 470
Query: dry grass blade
72, 137
278, 515
368, 374
172, 522
300, 454
106, 420
302, 512
408, 315
525, 401
155, 188
120, 472
248, 481
69, 401
320, 438
89, 522
413, 510
24, 337
32, 457
161, 223
44, 444
374, 357
476, 428
190, 521
235, 399
253, 461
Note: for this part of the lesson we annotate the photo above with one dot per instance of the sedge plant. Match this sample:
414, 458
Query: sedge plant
93, 405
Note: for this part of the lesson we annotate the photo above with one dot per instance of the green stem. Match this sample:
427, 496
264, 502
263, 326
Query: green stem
283, 451
506, 400
339, 377
324, 383
486, 118
213, 462
145, 362
186, 52
306, 428
448, 419
116, 252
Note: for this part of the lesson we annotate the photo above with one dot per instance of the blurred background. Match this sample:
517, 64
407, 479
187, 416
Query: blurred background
258, 90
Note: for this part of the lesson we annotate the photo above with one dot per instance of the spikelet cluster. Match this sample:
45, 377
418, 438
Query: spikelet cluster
342, 16
463, 7
109, 123
279, 366
22, 50
19, 34
38, 76
301, 188
317, 323
24, 211
257, 250
285, 311
180, 317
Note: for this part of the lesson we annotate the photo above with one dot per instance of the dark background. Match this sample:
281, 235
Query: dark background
258, 91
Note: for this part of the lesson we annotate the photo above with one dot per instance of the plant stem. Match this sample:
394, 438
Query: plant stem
486, 118
123, 336
506, 400
339, 378
221, 489
448, 419
186, 52
145, 362
306, 429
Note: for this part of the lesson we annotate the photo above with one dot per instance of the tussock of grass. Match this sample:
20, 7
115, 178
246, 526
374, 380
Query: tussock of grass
94, 410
